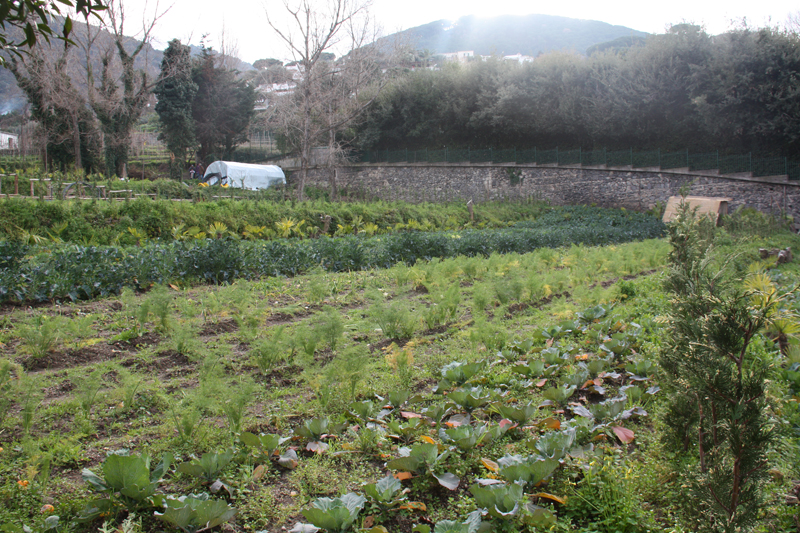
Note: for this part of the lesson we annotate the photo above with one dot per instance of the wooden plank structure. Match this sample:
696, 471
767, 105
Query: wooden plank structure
704, 205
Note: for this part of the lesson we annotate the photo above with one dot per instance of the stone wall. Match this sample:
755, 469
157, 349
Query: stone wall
632, 189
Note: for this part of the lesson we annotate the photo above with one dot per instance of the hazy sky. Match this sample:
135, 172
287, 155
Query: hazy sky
245, 22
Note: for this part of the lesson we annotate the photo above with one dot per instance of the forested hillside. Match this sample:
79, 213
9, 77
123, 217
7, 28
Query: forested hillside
736, 92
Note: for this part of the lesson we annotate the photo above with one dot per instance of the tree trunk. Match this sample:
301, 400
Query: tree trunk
301, 182
76, 141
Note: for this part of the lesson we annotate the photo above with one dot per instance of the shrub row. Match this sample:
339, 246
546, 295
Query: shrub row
84, 272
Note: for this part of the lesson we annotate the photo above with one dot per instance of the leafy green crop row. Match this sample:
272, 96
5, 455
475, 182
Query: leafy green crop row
85, 272
101, 222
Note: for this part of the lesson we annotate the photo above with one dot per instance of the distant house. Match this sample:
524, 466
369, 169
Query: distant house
264, 91
461, 57
8, 141
519, 58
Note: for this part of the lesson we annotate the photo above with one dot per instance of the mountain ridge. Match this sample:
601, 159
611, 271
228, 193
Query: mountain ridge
512, 34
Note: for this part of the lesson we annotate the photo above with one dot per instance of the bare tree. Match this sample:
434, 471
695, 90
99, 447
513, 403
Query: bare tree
67, 127
792, 24
330, 94
119, 111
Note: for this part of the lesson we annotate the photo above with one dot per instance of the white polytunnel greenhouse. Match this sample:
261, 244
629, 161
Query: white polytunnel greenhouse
244, 175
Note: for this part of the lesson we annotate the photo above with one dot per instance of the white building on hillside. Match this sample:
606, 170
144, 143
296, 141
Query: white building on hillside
519, 58
461, 57
8, 141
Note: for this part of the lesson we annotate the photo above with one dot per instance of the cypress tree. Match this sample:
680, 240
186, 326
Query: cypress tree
176, 91
715, 378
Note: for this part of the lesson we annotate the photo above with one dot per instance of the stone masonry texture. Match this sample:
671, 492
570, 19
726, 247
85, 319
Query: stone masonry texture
631, 189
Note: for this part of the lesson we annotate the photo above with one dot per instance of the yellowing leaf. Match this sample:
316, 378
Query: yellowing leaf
541, 383
408, 414
490, 465
258, 473
551, 423
553, 497
174, 287
414, 506
427, 439
403, 475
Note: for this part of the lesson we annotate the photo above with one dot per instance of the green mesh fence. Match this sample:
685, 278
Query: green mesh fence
593, 158
437, 156
546, 157
457, 155
397, 156
646, 159
569, 157
621, 158
379, 156
772, 166
480, 156
508, 155
793, 170
726, 164
734, 164
525, 157
675, 160
708, 161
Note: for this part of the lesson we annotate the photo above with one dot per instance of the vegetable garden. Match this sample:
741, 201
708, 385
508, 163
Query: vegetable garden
506, 379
